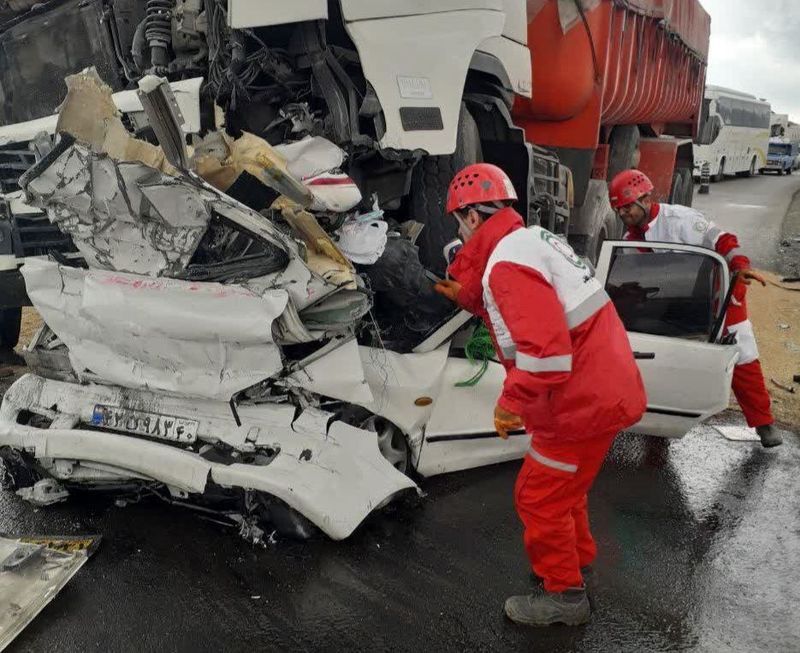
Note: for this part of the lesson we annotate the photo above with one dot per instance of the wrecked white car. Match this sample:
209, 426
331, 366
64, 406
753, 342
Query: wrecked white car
279, 358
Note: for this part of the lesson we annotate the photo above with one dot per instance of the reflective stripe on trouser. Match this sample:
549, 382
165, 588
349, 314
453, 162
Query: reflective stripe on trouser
751, 394
551, 501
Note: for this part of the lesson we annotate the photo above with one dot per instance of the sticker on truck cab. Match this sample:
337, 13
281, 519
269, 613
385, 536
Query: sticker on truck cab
415, 88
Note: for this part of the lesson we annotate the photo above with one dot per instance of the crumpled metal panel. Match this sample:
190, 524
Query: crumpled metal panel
122, 216
30, 583
197, 339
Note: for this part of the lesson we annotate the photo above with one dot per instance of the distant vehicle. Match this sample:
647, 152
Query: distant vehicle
782, 156
785, 128
734, 133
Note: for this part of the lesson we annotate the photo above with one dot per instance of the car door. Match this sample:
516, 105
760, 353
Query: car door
460, 432
672, 299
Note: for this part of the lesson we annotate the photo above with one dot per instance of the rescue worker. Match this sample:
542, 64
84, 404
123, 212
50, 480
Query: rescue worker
571, 379
630, 195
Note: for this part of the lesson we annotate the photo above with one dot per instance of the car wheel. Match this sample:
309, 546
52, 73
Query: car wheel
752, 171
391, 442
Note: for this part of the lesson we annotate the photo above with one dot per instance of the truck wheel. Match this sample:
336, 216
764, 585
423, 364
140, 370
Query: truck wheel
788, 171
688, 186
676, 195
429, 184
623, 145
606, 232
752, 171
10, 321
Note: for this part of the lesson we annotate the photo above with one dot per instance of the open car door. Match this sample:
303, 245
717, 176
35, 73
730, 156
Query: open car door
672, 300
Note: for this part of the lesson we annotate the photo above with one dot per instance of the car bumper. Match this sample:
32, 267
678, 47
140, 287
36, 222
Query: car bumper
330, 472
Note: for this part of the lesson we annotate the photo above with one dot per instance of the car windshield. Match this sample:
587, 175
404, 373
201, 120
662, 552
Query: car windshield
780, 149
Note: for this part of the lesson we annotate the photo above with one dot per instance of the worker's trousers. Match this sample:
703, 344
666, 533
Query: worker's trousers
551, 500
748, 379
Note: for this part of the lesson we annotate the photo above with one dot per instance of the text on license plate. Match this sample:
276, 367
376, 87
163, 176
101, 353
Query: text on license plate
165, 427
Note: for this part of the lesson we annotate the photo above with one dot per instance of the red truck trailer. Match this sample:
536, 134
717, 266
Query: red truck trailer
616, 84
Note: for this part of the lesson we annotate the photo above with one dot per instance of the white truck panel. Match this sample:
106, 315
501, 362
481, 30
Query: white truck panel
368, 9
263, 13
429, 56
516, 59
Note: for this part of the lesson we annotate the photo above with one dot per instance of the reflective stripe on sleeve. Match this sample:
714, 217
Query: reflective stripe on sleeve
732, 254
545, 364
549, 462
587, 308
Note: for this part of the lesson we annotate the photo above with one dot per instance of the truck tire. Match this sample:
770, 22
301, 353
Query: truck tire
10, 321
688, 186
752, 171
623, 145
429, 183
607, 231
594, 222
676, 194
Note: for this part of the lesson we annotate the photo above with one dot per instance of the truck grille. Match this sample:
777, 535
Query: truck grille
35, 235
14, 160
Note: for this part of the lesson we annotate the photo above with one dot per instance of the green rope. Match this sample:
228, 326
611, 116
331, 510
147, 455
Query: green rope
479, 351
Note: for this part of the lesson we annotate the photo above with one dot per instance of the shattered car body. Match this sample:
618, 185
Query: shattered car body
197, 348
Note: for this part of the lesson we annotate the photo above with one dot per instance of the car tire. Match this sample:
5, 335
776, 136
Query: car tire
10, 322
429, 183
392, 442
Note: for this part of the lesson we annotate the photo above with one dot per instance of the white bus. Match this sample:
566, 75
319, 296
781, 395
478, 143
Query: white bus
734, 133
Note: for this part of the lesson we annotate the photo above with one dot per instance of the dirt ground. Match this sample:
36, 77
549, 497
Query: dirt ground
30, 325
775, 313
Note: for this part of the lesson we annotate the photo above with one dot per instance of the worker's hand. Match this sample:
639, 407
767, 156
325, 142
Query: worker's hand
505, 422
449, 289
748, 276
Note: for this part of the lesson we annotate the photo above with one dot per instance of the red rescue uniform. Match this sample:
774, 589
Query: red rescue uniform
570, 374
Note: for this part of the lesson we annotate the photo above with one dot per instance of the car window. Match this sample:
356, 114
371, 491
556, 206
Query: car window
666, 292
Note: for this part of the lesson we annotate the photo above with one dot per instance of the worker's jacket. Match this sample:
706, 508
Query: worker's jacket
673, 223
570, 372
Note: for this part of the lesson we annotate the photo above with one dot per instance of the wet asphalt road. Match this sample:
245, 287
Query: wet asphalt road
753, 209
699, 544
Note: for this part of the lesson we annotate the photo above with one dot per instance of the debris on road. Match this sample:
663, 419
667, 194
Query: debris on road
782, 386
33, 570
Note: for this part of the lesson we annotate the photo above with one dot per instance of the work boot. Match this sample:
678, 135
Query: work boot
570, 607
769, 436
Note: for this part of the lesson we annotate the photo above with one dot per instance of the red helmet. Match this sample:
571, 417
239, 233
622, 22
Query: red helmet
627, 187
479, 183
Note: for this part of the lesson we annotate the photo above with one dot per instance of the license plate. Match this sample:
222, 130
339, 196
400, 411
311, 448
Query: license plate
166, 427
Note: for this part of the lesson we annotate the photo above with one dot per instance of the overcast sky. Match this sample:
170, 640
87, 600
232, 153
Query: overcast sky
755, 48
